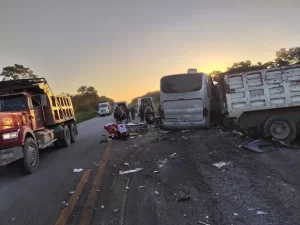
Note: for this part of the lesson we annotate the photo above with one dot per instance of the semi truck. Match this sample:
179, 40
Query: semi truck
264, 102
31, 119
104, 109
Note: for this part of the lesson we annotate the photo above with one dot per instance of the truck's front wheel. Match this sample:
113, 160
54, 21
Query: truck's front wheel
31, 160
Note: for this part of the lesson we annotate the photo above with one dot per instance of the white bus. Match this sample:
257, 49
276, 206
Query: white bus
185, 100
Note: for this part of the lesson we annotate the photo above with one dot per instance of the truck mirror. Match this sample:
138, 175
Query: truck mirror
44, 100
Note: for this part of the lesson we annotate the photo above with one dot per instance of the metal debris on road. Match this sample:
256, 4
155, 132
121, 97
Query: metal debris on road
203, 223
78, 170
126, 164
130, 171
164, 131
182, 196
261, 213
221, 164
116, 210
127, 188
102, 206
173, 155
156, 192
156, 171
71, 192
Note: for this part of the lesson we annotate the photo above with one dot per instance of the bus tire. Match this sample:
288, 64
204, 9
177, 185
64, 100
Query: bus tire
30, 162
280, 128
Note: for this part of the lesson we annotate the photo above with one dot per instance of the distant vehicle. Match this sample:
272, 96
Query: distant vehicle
147, 101
31, 118
185, 100
103, 109
264, 101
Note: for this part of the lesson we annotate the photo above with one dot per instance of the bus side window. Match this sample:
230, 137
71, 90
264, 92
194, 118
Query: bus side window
208, 86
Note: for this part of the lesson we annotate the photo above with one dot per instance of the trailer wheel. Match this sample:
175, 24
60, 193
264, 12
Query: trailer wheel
280, 128
31, 160
73, 132
65, 140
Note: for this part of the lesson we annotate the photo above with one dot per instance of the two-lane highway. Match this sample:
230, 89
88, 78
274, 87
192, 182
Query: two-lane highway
37, 199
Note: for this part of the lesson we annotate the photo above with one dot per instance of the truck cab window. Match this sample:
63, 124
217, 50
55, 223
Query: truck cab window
13, 103
36, 102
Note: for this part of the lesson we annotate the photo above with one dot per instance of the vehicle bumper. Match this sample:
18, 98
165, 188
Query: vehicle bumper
185, 125
10, 155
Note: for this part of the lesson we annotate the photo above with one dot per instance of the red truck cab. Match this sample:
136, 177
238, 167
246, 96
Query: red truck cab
31, 119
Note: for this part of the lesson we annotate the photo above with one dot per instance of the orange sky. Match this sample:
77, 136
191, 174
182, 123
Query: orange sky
124, 48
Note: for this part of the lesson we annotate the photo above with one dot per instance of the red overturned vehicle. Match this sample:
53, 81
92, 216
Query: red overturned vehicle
31, 119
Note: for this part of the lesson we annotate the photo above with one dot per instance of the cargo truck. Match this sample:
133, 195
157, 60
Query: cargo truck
264, 102
31, 119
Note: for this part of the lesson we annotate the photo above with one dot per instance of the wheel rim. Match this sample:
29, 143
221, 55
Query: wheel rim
32, 155
280, 130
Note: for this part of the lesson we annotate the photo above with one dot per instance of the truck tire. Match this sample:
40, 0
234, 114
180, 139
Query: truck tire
280, 128
31, 160
65, 140
73, 132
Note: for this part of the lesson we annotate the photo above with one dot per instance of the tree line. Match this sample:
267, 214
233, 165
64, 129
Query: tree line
86, 98
283, 57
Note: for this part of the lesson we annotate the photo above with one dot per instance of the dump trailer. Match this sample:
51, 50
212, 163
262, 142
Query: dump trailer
31, 119
264, 101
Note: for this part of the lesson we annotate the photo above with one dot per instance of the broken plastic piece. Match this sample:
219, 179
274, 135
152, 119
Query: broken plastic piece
126, 164
130, 171
173, 155
261, 213
116, 210
78, 170
221, 164
156, 192
71, 192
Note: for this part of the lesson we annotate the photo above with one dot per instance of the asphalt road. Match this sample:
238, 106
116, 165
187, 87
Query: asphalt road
37, 199
178, 183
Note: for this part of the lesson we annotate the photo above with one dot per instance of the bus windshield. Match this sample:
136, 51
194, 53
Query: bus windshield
181, 83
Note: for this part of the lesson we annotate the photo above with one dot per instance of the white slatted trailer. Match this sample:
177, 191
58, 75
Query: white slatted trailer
251, 99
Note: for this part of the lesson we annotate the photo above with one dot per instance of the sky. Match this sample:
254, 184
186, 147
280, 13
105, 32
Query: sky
124, 47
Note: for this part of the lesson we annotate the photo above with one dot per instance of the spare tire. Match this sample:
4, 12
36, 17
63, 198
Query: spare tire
280, 128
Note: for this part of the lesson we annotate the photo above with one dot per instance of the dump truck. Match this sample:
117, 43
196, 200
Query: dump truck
264, 102
31, 119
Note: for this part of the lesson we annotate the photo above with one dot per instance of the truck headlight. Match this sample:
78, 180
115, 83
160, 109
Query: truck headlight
11, 135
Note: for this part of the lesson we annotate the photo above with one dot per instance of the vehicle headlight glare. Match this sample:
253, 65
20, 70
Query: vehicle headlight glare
11, 135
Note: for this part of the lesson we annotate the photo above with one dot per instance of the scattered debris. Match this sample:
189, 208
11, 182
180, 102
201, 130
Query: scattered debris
130, 171
131, 137
142, 186
261, 145
182, 197
116, 210
184, 215
156, 171
203, 223
162, 163
126, 164
98, 190
164, 131
135, 146
13, 219
156, 192
235, 214
184, 137
140, 135
102, 206
261, 213
71, 192
173, 155
221, 164
127, 188
66, 204
237, 132
250, 209
78, 170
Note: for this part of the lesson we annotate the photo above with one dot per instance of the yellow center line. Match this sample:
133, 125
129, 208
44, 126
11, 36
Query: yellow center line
86, 216
65, 214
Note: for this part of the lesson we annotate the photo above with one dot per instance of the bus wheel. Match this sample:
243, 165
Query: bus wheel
31, 160
280, 128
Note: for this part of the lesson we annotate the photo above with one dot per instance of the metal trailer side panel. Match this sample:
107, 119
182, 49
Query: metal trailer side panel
263, 89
